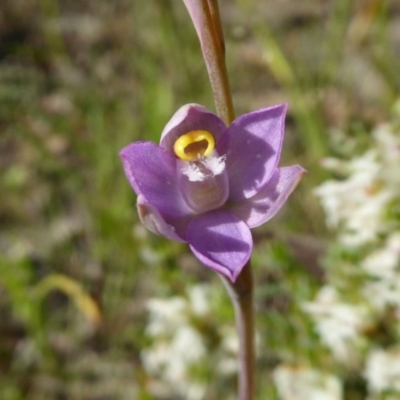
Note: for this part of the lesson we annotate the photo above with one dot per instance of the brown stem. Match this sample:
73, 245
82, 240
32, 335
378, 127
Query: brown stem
212, 44
216, 20
241, 294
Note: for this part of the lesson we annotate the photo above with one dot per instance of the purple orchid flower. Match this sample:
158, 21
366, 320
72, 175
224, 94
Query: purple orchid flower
207, 184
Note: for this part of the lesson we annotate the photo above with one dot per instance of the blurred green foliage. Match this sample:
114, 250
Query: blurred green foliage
81, 79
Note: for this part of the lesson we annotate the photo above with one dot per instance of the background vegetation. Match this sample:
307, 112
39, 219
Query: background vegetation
81, 79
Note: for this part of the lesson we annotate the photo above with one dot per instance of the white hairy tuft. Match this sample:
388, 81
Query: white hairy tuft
192, 171
216, 165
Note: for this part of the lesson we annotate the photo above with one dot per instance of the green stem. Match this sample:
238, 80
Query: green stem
241, 294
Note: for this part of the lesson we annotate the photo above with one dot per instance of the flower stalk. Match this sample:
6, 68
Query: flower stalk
241, 294
207, 21
212, 178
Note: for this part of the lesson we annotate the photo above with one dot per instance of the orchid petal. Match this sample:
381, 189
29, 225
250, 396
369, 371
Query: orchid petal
153, 221
190, 117
151, 171
253, 147
221, 241
269, 200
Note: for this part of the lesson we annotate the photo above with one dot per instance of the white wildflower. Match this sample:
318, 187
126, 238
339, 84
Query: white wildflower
301, 383
384, 262
338, 323
382, 370
356, 205
165, 315
383, 265
186, 348
388, 143
178, 348
199, 297
228, 364
383, 293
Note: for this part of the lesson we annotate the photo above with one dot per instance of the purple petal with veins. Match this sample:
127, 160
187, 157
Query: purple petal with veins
253, 148
221, 241
151, 171
154, 221
269, 200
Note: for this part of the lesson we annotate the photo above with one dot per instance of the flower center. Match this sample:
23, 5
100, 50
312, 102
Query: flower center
194, 144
